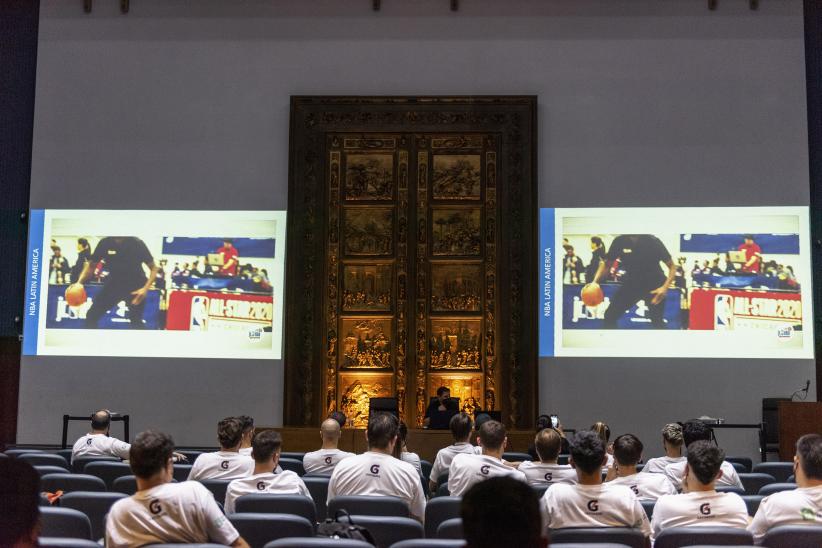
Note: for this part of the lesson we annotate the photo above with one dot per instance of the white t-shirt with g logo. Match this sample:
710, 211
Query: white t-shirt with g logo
221, 465
466, 470
541, 474
378, 474
323, 461
170, 513
283, 483
603, 505
699, 508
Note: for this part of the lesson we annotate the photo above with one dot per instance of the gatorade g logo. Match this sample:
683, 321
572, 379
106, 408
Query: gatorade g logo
549, 476
375, 469
593, 505
154, 507
635, 490
260, 486
328, 460
88, 441
484, 469
705, 509
224, 465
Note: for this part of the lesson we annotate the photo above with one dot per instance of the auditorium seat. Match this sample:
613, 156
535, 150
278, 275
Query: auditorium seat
779, 470
44, 459
299, 542
206, 545
563, 459
450, 529
318, 487
294, 465
65, 453
513, 456
181, 471
125, 484
633, 538
108, 471
78, 465
539, 490
425, 468
730, 489
67, 483
678, 537
190, 455
43, 470
270, 503
63, 542
591, 545
754, 481
217, 487
752, 503
791, 479
443, 479
368, 505
64, 522
772, 488
747, 462
436, 543
442, 490
740, 468
794, 536
389, 530
259, 529
438, 510
292, 455
4, 456
94, 505
16, 452
648, 506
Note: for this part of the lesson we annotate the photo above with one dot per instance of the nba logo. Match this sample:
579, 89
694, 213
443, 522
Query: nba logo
199, 313
723, 312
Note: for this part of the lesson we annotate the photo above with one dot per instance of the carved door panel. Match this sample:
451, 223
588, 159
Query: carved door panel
411, 226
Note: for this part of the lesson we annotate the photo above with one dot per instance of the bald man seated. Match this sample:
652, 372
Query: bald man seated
322, 462
98, 443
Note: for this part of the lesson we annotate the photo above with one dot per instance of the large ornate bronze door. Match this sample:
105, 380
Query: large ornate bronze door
396, 261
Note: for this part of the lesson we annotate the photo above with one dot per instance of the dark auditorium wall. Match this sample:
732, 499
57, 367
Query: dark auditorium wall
184, 105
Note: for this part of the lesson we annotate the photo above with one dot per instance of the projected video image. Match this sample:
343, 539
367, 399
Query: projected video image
653, 282
149, 283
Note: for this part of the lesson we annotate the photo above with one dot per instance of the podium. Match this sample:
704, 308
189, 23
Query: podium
797, 418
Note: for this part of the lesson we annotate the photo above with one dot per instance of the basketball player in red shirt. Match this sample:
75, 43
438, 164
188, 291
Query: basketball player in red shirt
753, 255
230, 258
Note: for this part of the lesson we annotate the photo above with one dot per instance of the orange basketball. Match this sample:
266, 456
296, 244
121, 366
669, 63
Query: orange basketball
592, 295
75, 295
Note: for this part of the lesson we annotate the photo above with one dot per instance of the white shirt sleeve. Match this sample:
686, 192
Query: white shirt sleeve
760, 524
120, 448
229, 498
218, 527
417, 509
303, 488
641, 519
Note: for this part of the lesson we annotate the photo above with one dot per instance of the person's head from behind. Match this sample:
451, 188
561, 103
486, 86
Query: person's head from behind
443, 393
248, 429
101, 422
461, 425
330, 431
382, 432
596, 243
543, 421
749, 239
228, 243
338, 416
150, 456
627, 450
82, 245
501, 511
492, 436
808, 461
19, 501
588, 453
602, 430
672, 439
695, 430
266, 447
704, 462
548, 444
230, 433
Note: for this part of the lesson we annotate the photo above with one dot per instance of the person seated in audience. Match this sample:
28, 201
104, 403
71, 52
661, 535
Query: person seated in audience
501, 512
543, 422
479, 420
604, 433
672, 443
338, 416
19, 504
546, 471
402, 449
461, 428
98, 443
591, 503
467, 469
627, 453
376, 472
700, 504
803, 505
692, 431
322, 462
165, 512
265, 450
248, 434
227, 463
